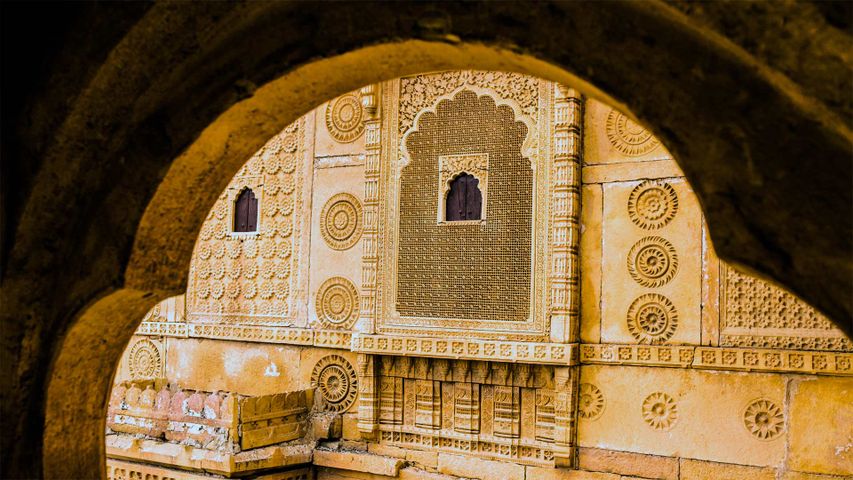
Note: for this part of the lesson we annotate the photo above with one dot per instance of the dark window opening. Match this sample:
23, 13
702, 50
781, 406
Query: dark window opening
464, 200
246, 212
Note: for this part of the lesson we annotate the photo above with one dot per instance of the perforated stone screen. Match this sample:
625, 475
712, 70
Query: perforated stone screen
471, 271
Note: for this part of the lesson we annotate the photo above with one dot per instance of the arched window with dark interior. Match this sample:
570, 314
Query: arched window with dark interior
464, 200
246, 212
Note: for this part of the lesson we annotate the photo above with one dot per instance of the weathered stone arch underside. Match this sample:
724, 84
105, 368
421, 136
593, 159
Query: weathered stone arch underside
147, 111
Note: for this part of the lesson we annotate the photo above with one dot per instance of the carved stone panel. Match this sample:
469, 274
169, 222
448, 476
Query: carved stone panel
493, 282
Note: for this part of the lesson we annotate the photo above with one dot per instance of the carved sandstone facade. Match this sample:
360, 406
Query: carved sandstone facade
582, 327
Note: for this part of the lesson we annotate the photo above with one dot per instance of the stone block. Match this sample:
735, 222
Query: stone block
791, 475
326, 426
352, 445
590, 245
418, 474
678, 413
652, 266
325, 473
546, 473
820, 420
627, 463
420, 457
605, 138
386, 450
626, 172
359, 462
350, 426
700, 470
473, 467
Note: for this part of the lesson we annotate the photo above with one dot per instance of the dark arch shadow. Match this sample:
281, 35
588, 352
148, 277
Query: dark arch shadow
189, 91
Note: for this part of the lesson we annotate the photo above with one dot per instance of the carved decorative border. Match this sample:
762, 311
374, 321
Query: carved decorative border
720, 358
473, 349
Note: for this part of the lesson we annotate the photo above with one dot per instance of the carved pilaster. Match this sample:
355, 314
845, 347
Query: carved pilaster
370, 254
368, 398
565, 406
565, 262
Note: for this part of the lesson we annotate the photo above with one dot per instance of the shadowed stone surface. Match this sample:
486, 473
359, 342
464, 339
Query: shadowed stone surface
125, 115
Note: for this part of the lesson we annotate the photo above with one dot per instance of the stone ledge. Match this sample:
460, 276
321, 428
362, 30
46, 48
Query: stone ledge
358, 462
564, 354
473, 467
627, 463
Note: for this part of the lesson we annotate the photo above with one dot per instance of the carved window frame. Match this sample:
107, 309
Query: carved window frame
254, 183
449, 168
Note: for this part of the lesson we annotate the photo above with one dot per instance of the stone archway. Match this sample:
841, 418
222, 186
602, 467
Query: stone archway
160, 91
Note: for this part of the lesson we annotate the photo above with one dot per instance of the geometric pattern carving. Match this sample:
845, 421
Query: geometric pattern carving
627, 136
758, 314
652, 262
660, 411
652, 204
461, 268
247, 276
590, 401
144, 360
341, 221
335, 379
337, 303
652, 318
764, 419
717, 358
344, 118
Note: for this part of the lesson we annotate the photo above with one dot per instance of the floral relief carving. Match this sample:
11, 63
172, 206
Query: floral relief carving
590, 401
764, 419
652, 204
344, 118
337, 303
660, 411
336, 382
341, 221
652, 262
627, 136
652, 318
144, 360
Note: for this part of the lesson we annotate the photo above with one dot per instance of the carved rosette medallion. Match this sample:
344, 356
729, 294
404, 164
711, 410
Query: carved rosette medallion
652, 204
652, 318
660, 411
335, 379
337, 303
764, 419
144, 360
344, 118
340, 221
627, 136
590, 401
652, 262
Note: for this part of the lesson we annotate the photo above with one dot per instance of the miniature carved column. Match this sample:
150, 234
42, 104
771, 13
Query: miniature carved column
565, 270
565, 405
370, 253
368, 398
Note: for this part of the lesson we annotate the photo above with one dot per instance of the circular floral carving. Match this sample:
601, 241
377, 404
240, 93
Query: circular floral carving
144, 359
337, 303
590, 401
763, 419
652, 262
652, 204
204, 251
343, 118
335, 380
652, 318
340, 221
627, 136
660, 411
